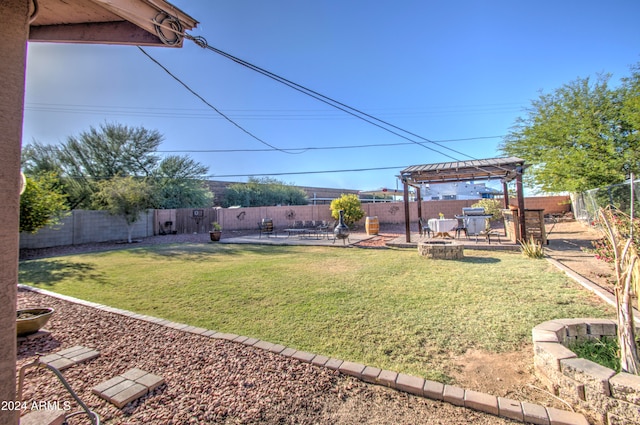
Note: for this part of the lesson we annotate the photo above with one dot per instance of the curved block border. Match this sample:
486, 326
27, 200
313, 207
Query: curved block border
499, 406
605, 396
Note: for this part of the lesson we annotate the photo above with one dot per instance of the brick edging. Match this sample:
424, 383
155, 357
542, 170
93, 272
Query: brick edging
497, 406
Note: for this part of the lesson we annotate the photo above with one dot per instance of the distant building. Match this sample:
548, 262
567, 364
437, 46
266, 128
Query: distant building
461, 190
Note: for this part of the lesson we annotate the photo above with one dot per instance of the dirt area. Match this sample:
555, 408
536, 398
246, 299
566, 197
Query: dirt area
512, 374
331, 398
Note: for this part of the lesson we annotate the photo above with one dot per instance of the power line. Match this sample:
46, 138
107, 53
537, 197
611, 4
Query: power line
211, 106
253, 114
201, 42
351, 170
312, 148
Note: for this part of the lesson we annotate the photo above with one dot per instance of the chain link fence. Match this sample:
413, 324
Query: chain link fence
586, 204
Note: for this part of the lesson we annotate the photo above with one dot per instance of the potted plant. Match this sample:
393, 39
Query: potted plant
216, 232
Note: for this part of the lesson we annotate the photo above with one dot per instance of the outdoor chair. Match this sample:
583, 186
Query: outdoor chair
462, 227
265, 227
488, 234
423, 227
322, 227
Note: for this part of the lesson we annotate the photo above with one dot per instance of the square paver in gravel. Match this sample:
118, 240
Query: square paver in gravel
127, 387
68, 357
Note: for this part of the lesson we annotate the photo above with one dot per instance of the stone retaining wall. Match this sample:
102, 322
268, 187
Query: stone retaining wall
603, 395
443, 250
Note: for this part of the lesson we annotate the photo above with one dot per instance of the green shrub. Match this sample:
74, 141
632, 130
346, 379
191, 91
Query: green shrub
491, 207
351, 206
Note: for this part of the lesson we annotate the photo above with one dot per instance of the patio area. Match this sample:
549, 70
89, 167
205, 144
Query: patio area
284, 238
391, 237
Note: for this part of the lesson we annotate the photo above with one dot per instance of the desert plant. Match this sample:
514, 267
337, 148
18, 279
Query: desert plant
627, 277
351, 206
626, 227
532, 248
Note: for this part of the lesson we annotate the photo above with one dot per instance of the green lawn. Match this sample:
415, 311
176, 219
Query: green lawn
386, 308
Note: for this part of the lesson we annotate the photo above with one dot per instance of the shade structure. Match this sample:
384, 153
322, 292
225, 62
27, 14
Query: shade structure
503, 169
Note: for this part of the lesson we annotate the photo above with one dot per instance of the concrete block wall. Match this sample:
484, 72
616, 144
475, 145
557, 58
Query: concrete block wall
87, 227
98, 226
606, 397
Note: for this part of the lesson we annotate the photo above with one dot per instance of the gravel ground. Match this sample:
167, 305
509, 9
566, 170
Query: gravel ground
212, 381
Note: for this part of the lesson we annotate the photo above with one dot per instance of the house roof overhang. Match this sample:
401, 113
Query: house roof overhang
128, 22
504, 169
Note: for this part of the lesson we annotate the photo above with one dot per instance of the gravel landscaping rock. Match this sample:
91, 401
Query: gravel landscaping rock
210, 380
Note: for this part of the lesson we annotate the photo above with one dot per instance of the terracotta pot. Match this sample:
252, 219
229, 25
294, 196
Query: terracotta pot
215, 235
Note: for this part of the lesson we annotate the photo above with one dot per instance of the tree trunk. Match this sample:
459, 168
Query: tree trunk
129, 232
626, 259
629, 361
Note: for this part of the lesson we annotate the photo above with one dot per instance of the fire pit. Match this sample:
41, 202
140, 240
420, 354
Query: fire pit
341, 231
441, 250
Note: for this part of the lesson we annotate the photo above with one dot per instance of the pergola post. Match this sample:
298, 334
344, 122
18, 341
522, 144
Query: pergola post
520, 195
505, 191
407, 219
419, 201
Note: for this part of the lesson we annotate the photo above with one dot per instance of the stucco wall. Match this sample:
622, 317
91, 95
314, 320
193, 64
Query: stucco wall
99, 226
86, 227
13, 51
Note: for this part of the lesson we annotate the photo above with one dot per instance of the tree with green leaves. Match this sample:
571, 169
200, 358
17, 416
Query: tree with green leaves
127, 197
118, 150
264, 192
42, 203
177, 184
581, 136
350, 204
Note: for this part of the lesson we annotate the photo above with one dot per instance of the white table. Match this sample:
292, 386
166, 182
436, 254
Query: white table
442, 227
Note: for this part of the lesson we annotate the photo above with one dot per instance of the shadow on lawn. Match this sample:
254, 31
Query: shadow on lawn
480, 260
48, 273
207, 252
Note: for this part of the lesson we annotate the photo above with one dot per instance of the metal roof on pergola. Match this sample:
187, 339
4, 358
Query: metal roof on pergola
478, 169
503, 169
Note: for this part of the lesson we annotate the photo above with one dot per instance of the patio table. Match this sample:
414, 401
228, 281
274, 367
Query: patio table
442, 227
301, 232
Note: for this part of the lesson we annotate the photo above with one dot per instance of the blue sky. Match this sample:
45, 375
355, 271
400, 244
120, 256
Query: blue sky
443, 70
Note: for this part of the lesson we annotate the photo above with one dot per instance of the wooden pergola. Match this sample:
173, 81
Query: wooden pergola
503, 169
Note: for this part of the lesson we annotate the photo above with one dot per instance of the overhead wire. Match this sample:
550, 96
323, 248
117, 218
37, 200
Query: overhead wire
201, 42
213, 107
316, 148
349, 170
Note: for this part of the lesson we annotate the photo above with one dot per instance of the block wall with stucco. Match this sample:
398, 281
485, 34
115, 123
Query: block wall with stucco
13, 52
88, 227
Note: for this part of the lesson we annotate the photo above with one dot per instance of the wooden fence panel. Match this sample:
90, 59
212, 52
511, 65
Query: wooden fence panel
195, 220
